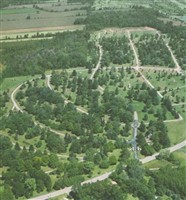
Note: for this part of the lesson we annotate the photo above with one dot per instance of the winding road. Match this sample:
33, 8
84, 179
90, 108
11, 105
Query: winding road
15, 106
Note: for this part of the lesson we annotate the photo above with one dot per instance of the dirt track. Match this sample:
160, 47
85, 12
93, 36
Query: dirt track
55, 28
136, 29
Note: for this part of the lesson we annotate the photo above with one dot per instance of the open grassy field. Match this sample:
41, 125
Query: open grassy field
176, 131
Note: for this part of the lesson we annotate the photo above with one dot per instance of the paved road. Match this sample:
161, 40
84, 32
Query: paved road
171, 149
99, 62
48, 77
104, 176
15, 106
134, 50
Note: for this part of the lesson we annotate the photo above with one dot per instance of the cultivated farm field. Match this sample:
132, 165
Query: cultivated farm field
41, 17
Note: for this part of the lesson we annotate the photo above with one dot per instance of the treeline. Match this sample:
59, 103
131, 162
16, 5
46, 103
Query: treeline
65, 50
134, 17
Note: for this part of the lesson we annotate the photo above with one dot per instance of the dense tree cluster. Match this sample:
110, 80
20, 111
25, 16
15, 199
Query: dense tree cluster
116, 50
129, 179
152, 51
103, 190
135, 180
4, 98
170, 181
156, 133
134, 17
17, 123
178, 45
24, 174
65, 50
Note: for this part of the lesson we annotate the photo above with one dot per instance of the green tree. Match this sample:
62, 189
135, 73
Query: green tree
7, 193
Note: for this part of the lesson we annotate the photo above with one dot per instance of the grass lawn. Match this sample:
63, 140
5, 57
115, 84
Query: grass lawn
130, 197
3, 169
179, 92
176, 131
135, 35
180, 155
61, 197
18, 11
156, 164
12, 83
163, 80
